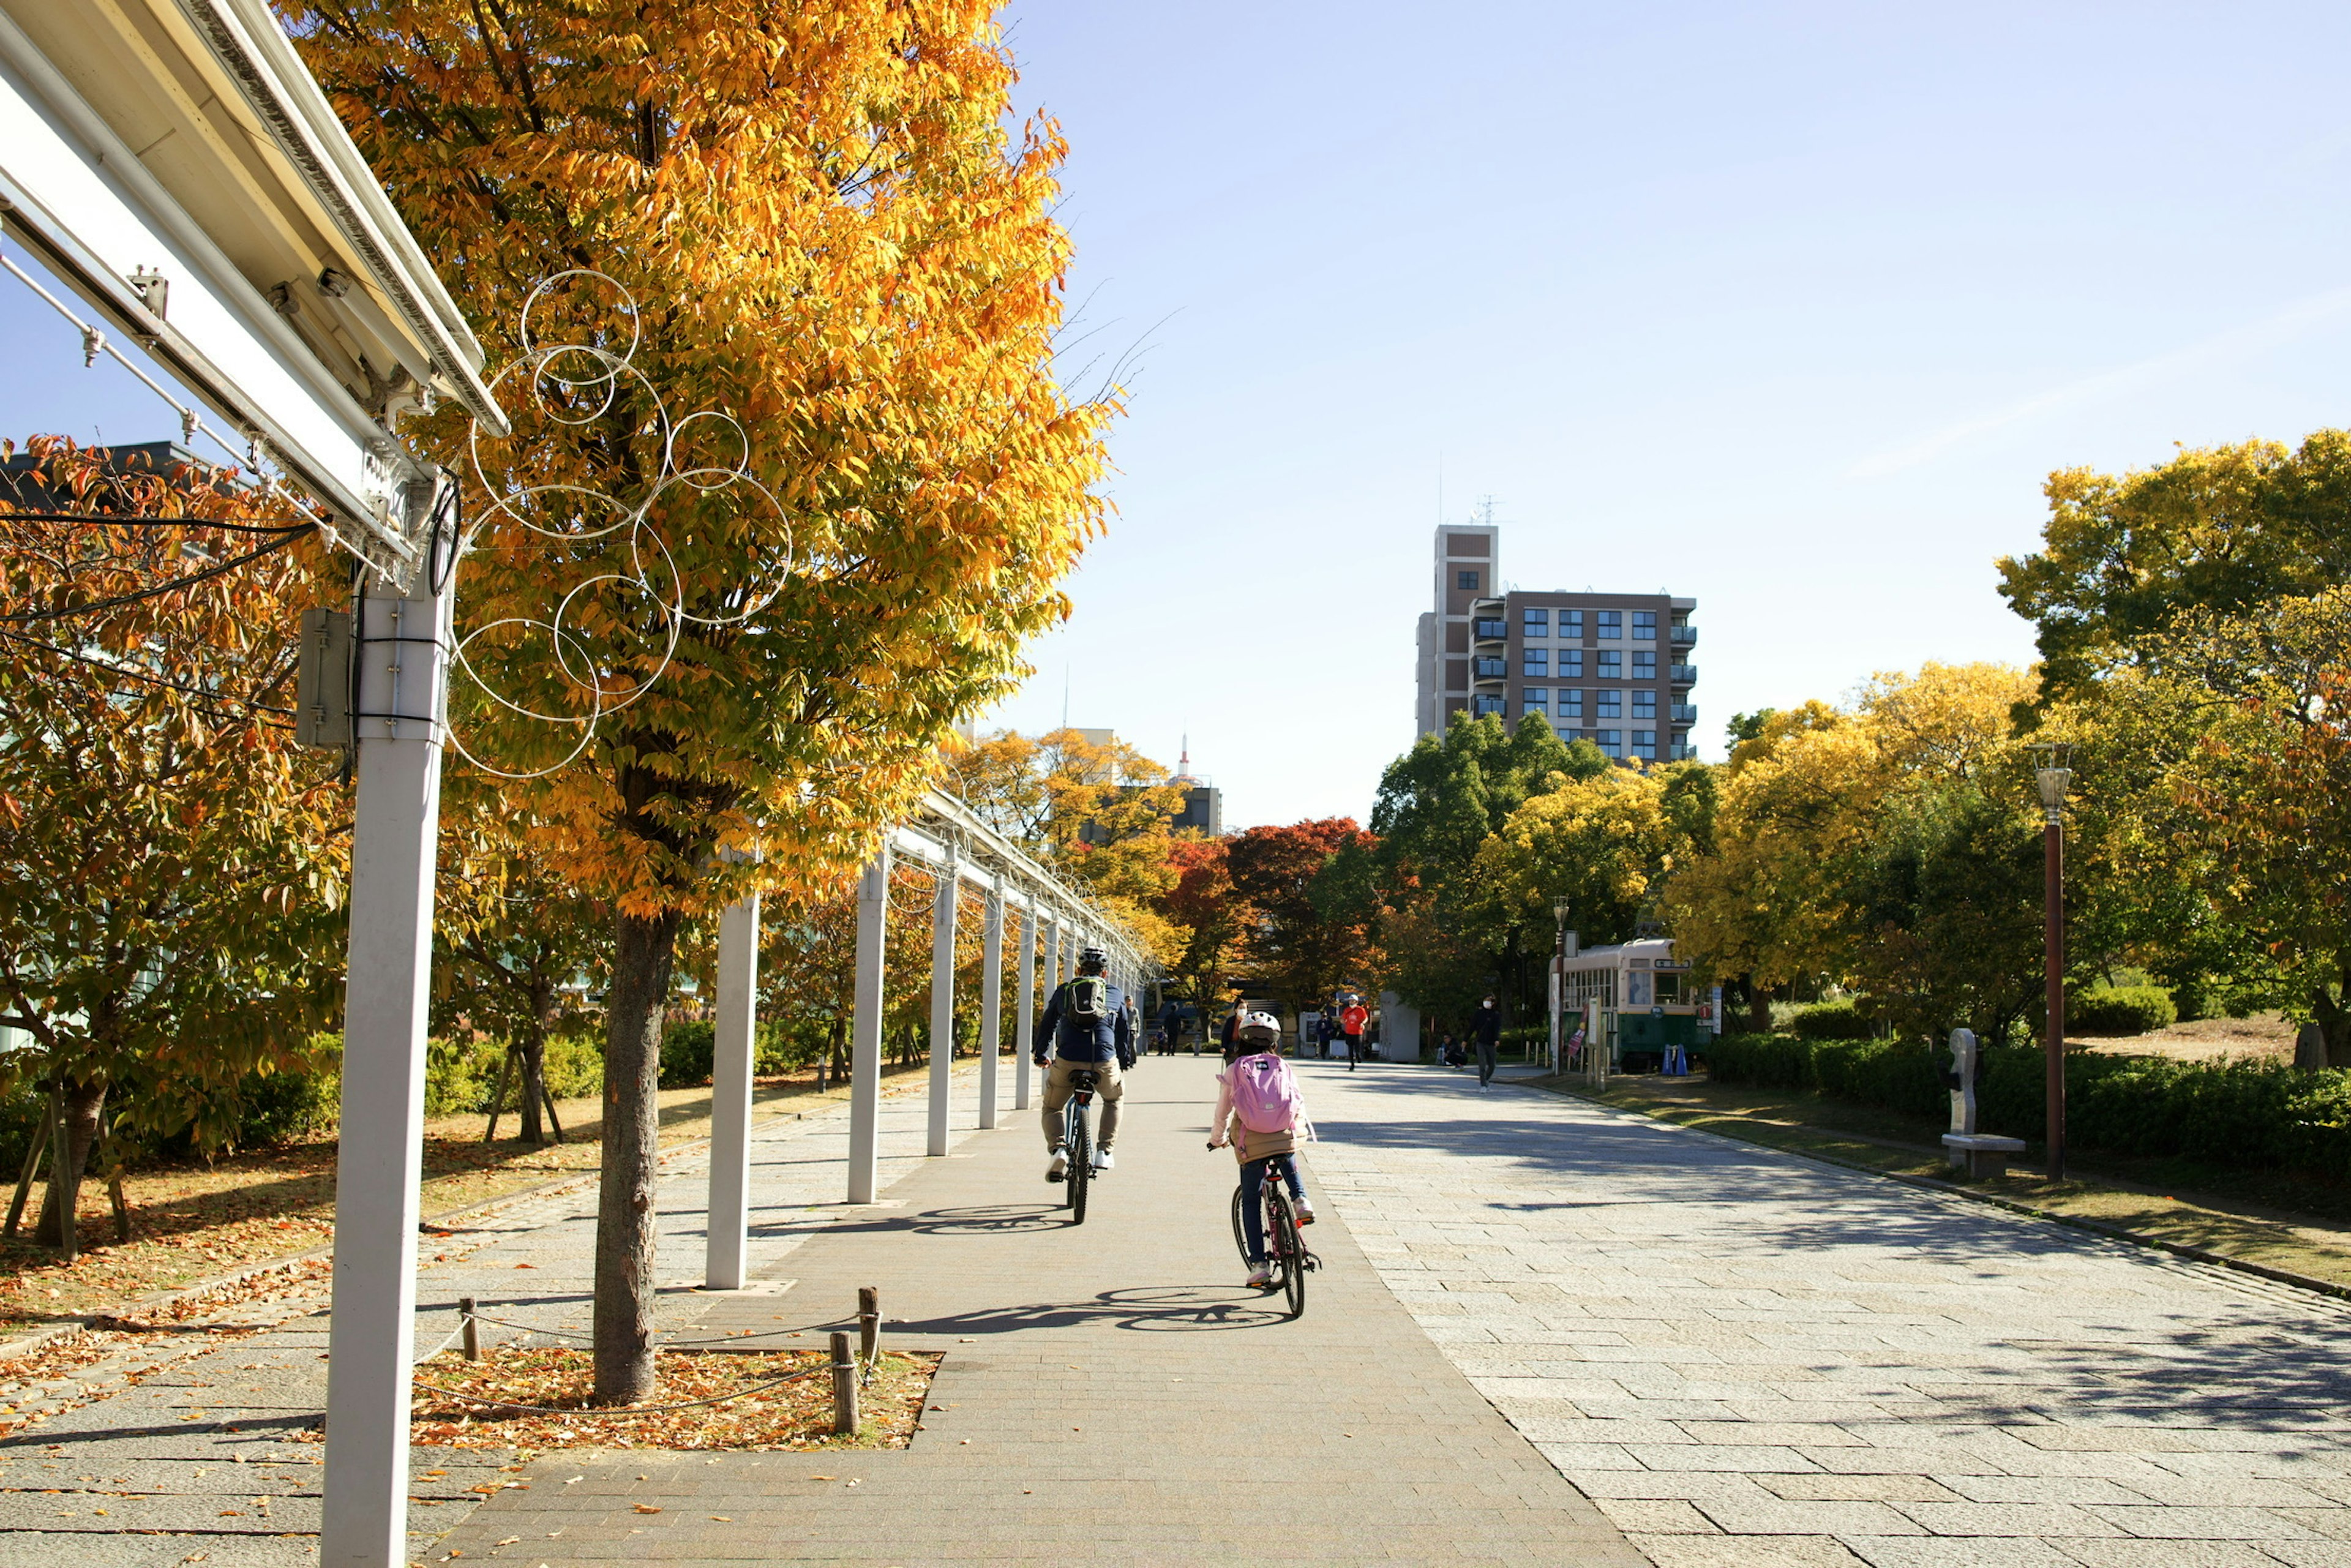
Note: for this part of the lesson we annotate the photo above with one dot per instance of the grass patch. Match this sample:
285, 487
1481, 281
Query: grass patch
2263, 1218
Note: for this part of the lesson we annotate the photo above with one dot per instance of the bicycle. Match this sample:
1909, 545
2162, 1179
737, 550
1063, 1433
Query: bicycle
1285, 1249
1077, 1142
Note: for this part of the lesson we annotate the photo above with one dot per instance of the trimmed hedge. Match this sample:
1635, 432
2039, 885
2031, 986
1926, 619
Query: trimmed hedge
1830, 1021
2261, 1115
2120, 1011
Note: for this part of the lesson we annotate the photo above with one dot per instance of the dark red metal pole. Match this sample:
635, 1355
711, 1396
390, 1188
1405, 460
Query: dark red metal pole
2054, 955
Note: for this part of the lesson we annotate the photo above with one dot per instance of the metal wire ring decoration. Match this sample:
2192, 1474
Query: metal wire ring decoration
577, 384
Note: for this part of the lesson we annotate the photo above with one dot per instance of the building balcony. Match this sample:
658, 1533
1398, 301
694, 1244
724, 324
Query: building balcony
1685, 635
1685, 674
1494, 631
1684, 712
1682, 753
1489, 672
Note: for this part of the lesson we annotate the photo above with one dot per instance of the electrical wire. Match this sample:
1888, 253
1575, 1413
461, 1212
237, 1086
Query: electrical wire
129, 674
116, 520
159, 590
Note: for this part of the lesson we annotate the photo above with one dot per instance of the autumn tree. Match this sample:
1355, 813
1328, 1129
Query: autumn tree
2224, 530
172, 866
826, 230
1602, 845
1290, 948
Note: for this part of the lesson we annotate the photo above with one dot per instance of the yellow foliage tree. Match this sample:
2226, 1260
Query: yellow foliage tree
830, 235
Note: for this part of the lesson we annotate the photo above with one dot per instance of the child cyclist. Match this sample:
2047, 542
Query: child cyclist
1260, 1113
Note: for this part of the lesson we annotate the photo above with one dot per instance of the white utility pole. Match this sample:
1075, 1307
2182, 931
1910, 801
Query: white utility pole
400, 725
865, 1025
945, 902
991, 1005
732, 1048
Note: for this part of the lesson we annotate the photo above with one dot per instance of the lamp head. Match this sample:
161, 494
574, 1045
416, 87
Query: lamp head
2054, 784
1559, 909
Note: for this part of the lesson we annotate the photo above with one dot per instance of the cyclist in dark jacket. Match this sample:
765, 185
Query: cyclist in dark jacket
1067, 1044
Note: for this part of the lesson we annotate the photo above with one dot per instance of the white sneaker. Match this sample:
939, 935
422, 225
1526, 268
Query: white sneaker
1060, 1168
1261, 1276
1102, 1160
1305, 1212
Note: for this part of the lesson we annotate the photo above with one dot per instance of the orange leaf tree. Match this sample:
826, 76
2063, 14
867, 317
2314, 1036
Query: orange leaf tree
170, 868
829, 234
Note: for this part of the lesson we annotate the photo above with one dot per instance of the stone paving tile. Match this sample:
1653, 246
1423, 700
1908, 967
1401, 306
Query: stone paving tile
1822, 1338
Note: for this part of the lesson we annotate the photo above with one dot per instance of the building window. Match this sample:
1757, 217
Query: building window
1645, 664
1488, 668
1538, 661
1611, 703
1570, 622
1538, 622
1466, 580
1644, 625
1645, 745
1645, 704
1612, 664
1571, 703
1611, 741
1482, 706
1612, 625
1534, 699
1571, 664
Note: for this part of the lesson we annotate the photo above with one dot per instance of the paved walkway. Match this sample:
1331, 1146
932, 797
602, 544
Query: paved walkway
1755, 1359
1110, 1396
210, 1452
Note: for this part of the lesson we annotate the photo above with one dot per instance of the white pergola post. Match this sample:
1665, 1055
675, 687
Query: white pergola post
402, 688
730, 1096
945, 902
1024, 1036
991, 1005
865, 1025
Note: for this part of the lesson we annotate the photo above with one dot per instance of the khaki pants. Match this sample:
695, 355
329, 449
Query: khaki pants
1107, 1089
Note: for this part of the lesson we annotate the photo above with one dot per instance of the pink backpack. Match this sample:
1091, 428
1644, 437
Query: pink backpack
1265, 1095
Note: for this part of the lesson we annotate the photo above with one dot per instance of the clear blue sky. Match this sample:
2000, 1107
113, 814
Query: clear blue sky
1790, 309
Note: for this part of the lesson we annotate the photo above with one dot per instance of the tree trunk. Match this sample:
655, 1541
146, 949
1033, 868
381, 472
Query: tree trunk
534, 1069
1758, 1005
643, 951
84, 1104
2333, 1020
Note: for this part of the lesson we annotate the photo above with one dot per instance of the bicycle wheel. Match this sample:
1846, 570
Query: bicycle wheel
1240, 1228
1288, 1252
1081, 1164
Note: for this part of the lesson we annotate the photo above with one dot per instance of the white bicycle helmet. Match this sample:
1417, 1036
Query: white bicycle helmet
1258, 1029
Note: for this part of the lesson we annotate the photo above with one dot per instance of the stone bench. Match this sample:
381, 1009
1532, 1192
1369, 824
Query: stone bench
1981, 1154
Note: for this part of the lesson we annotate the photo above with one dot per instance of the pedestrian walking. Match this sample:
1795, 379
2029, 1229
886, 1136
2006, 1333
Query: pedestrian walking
1487, 1028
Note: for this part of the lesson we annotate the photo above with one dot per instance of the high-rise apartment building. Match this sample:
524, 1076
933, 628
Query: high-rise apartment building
1611, 668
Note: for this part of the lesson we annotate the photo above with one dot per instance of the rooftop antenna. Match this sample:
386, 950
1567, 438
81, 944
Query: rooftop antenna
1486, 511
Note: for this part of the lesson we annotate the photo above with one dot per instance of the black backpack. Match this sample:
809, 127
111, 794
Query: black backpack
1090, 999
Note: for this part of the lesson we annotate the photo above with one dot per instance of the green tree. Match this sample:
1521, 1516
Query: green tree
2224, 528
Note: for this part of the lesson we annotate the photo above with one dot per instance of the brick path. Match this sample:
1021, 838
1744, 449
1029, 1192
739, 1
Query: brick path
1110, 1396
1754, 1359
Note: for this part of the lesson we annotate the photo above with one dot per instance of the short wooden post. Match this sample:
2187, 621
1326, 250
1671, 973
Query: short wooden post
472, 1328
844, 1387
869, 1322
32, 1153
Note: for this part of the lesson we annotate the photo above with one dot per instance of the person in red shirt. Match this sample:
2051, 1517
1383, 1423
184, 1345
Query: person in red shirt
1352, 1020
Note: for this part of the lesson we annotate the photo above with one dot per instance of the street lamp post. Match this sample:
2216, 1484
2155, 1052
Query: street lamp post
2054, 783
1558, 989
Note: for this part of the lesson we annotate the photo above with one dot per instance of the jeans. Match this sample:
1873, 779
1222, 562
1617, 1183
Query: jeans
1485, 1061
1253, 1198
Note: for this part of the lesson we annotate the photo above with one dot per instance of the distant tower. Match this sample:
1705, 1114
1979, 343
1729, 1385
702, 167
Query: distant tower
1184, 765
